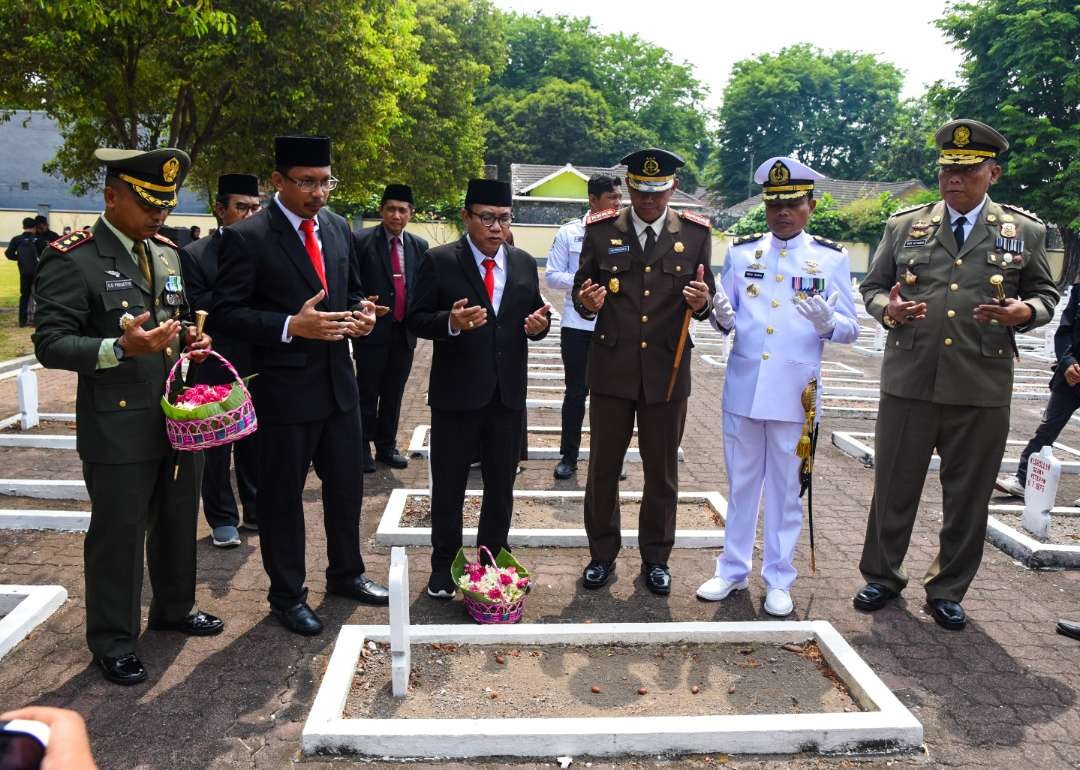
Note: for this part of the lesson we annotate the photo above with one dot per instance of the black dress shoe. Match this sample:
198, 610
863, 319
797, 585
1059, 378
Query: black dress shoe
657, 578
598, 573
393, 459
300, 619
565, 470
361, 588
199, 624
872, 597
948, 614
125, 670
368, 463
1068, 628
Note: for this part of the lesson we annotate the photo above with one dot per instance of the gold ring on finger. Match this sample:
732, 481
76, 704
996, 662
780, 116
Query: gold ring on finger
470, 324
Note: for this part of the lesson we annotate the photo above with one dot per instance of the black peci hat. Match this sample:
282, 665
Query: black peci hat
237, 184
312, 151
397, 192
490, 192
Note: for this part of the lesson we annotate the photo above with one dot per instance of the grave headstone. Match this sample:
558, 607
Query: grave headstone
1040, 492
400, 654
27, 391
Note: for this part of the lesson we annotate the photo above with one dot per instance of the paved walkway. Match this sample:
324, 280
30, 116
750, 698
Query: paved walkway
1001, 694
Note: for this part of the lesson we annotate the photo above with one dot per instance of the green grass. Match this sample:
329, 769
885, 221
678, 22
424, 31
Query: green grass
14, 341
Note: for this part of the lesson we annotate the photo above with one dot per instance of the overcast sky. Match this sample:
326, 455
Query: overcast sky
714, 35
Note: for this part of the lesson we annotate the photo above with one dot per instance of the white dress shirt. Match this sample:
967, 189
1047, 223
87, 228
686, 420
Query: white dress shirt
971, 217
562, 263
640, 225
500, 276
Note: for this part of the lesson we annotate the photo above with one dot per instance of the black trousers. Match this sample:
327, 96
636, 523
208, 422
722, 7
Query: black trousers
219, 503
138, 508
26, 290
494, 434
1059, 409
381, 374
285, 454
575, 358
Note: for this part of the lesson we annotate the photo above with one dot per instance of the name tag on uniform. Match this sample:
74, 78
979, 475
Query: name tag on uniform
753, 274
119, 285
618, 249
579, 238
915, 242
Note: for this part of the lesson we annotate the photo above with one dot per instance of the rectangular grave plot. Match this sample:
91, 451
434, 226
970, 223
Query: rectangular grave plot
559, 662
24, 608
861, 446
1061, 551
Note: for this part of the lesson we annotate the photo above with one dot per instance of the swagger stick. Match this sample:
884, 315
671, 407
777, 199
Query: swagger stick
998, 282
805, 450
682, 342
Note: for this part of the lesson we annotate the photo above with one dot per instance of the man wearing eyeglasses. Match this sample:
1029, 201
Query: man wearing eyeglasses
479, 300
237, 199
288, 285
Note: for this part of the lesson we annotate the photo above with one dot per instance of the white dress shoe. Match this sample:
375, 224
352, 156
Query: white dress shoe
717, 588
1010, 485
778, 602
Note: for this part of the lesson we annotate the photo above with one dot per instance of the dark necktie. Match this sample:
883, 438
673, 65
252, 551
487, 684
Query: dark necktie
489, 279
958, 231
399, 279
144, 264
650, 241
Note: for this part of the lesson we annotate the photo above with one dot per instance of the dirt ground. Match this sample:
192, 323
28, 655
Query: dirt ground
1064, 530
45, 427
475, 682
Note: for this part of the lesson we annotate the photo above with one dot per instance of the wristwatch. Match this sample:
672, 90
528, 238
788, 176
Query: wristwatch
887, 320
118, 350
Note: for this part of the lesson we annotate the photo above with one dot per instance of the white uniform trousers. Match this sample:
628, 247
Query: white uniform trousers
761, 453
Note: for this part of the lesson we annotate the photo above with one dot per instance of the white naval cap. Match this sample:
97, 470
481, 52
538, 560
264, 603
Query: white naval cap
784, 178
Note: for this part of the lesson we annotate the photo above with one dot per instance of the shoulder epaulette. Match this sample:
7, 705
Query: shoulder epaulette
696, 218
600, 216
162, 239
1025, 212
909, 209
71, 241
747, 239
829, 244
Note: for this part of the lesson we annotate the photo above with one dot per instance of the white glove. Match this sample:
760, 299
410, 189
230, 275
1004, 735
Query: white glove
819, 312
722, 316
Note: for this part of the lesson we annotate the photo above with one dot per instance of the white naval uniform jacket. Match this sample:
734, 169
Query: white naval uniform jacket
776, 351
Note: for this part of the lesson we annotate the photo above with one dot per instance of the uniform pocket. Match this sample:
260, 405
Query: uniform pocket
995, 344
607, 337
902, 337
680, 272
122, 396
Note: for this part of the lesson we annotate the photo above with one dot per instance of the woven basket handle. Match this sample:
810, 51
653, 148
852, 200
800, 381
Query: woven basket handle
232, 370
486, 549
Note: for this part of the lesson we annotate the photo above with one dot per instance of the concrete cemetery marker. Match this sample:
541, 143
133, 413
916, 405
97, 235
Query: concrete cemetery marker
1043, 475
400, 656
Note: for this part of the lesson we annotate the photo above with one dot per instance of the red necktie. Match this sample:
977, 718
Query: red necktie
307, 227
489, 279
399, 279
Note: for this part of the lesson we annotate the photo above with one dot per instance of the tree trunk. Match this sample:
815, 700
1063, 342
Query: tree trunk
1070, 267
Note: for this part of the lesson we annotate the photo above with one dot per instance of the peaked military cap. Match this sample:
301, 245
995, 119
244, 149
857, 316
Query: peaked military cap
311, 151
784, 178
966, 142
154, 175
238, 184
490, 192
397, 192
651, 170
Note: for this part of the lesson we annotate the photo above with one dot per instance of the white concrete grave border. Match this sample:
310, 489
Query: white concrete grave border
27, 607
29, 417
861, 447
889, 728
390, 531
1025, 548
419, 446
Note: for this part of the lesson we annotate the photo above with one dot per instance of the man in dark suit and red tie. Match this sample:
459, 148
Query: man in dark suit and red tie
288, 285
479, 300
388, 260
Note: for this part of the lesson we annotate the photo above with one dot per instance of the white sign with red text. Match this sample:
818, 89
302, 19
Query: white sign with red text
1040, 492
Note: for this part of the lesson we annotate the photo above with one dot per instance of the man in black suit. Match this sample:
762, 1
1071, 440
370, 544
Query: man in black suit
479, 300
287, 284
389, 258
237, 199
25, 248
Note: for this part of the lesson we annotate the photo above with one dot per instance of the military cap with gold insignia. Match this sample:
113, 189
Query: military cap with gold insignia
785, 179
651, 170
154, 175
966, 142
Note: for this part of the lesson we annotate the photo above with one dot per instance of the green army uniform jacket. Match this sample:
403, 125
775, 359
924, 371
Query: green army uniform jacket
84, 284
949, 357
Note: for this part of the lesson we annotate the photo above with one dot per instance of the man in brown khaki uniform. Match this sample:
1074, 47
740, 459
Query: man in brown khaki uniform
947, 374
642, 268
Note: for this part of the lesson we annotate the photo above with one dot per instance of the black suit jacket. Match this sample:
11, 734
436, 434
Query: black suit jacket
1067, 340
377, 277
466, 369
265, 275
199, 267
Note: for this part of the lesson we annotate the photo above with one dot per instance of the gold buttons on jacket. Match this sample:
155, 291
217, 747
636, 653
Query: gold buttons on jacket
948, 341
124, 303
779, 278
168, 352
644, 345
769, 330
951, 314
765, 356
959, 262
776, 303
644, 319
648, 268
954, 287
646, 292
122, 403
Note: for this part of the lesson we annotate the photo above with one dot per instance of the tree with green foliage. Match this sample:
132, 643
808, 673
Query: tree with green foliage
1021, 74
831, 110
908, 150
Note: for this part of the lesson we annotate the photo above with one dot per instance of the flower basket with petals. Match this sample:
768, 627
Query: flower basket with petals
206, 416
493, 593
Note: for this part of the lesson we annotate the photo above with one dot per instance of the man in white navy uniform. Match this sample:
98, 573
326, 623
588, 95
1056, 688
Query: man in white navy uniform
785, 293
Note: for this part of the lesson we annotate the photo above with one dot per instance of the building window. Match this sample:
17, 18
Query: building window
25, 185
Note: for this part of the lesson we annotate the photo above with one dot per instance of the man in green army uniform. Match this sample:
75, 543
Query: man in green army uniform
110, 303
953, 281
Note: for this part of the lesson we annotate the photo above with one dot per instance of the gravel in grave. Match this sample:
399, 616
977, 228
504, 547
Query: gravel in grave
1064, 530
39, 504
34, 463
45, 427
610, 680
555, 513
